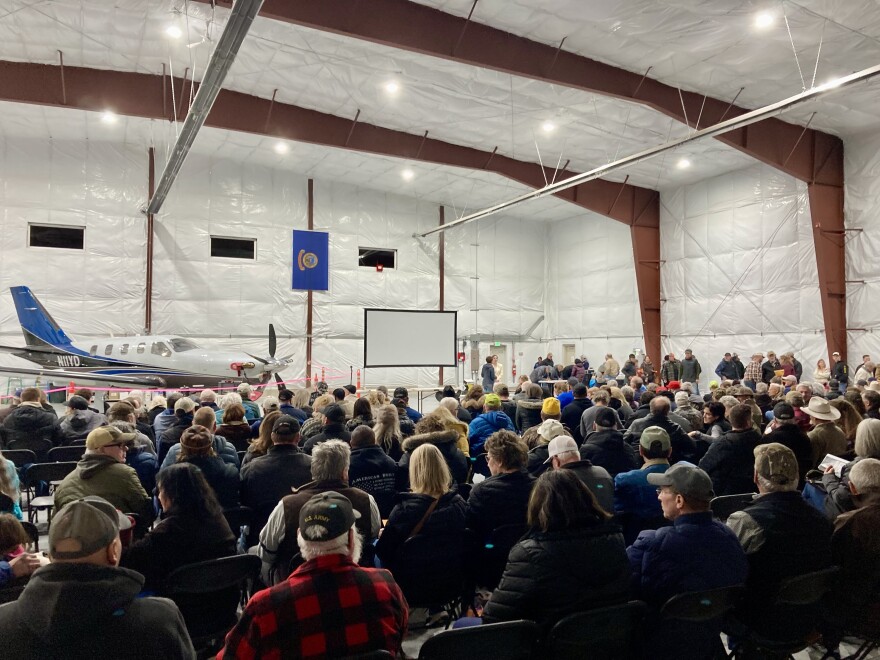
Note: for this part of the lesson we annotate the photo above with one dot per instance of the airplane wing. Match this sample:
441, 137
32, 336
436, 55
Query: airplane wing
82, 377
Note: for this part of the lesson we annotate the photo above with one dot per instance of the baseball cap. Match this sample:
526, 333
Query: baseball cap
776, 463
606, 417
286, 425
686, 479
550, 406
77, 403
560, 445
335, 413
681, 398
835, 353
400, 393
185, 404
654, 434
783, 411
550, 428
108, 435
492, 400
326, 516
674, 385
285, 395
92, 522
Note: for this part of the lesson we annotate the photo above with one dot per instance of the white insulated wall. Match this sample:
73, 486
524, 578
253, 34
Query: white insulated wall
739, 269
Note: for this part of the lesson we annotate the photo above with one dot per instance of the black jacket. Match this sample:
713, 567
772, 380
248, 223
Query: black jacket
446, 442
448, 517
171, 436
239, 435
374, 472
552, 574
177, 541
768, 370
608, 450
794, 437
221, 476
499, 500
29, 427
268, 478
508, 407
730, 462
641, 412
571, 417
328, 432
528, 414
683, 446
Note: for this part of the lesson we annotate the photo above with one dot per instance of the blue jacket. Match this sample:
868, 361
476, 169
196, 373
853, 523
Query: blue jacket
694, 554
565, 398
485, 425
146, 464
634, 495
224, 449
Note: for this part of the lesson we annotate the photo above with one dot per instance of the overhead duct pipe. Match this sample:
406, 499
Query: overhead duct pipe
240, 19
711, 131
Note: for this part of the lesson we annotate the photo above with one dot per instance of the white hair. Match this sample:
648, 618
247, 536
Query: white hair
865, 475
230, 399
207, 395
450, 403
269, 403
244, 389
338, 546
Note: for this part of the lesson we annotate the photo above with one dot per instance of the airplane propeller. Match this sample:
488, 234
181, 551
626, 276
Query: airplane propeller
276, 363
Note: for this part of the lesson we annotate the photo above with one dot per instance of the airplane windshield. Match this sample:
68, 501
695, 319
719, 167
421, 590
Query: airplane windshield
180, 345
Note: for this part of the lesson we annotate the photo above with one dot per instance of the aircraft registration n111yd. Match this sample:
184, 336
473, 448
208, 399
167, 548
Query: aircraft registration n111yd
144, 360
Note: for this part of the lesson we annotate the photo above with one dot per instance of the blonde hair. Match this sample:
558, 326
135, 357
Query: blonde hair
322, 402
377, 399
560, 386
300, 398
260, 445
428, 472
387, 427
449, 420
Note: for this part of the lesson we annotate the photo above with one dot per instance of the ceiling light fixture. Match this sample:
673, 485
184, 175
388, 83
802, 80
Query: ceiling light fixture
392, 87
764, 20
281, 148
109, 117
548, 127
683, 164
407, 174
173, 31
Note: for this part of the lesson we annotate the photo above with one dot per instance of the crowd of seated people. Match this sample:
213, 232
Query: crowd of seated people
543, 501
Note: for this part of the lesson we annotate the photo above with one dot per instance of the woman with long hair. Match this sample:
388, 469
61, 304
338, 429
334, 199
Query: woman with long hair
192, 528
542, 580
822, 374
363, 415
260, 445
848, 421
387, 430
452, 423
473, 401
196, 448
234, 427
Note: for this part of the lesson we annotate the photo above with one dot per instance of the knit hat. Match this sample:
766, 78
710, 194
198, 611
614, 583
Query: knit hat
550, 406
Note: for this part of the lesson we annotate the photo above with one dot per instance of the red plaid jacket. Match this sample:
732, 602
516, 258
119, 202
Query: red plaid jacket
328, 607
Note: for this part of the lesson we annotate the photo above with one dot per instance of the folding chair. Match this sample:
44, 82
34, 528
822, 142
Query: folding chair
610, 633
694, 618
724, 505
511, 640
20, 457
66, 454
52, 473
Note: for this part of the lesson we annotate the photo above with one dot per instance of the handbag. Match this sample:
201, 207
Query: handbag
421, 523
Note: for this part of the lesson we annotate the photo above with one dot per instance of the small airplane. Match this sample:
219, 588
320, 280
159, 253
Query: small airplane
143, 360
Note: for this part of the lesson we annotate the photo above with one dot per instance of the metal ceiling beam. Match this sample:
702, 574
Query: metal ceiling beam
222, 57
417, 28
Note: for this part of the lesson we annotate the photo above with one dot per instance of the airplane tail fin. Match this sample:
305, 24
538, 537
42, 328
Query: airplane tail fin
38, 326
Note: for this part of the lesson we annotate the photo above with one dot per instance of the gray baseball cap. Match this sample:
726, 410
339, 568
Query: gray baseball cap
91, 522
686, 479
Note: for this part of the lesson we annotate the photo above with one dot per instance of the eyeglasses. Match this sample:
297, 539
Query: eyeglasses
121, 445
660, 491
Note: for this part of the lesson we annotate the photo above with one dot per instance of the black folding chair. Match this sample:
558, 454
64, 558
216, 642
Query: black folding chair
44, 472
238, 517
20, 457
39, 444
7, 504
610, 633
480, 465
724, 505
65, 454
511, 640
32, 532
491, 557
699, 606
694, 619
208, 594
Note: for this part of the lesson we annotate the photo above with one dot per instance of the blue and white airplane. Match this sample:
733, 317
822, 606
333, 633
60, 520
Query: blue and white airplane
143, 360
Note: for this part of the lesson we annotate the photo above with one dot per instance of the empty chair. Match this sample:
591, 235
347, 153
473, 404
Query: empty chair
208, 594
20, 457
694, 620
491, 556
511, 640
724, 505
48, 473
39, 443
480, 465
238, 517
607, 632
65, 454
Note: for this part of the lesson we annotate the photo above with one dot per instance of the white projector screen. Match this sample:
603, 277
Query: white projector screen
399, 338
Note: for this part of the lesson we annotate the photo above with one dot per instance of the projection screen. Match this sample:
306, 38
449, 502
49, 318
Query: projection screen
401, 338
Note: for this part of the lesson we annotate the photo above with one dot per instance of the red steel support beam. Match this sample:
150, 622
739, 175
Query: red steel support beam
309, 297
151, 188
441, 249
141, 95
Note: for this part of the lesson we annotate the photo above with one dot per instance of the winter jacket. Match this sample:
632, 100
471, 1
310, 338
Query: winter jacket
793, 437
838, 498
97, 474
671, 370
239, 435
297, 413
145, 462
268, 478
635, 496
607, 449
360, 420
730, 462
221, 476
648, 372
251, 411
499, 500
447, 518
78, 425
840, 372
683, 447
31, 427
552, 574
695, 553
855, 546
597, 480
374, 472
629, 369
528, 413
171, 435
610, 368
177, 541
162, 421
485, 425
691, 370
726, 369
827, 439
223, 449
328, 432
487, 373
571, 417
691, 415
75, 611
769, 369
640, 413
444, 441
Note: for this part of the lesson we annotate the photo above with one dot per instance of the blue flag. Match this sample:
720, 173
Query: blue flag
310, 262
